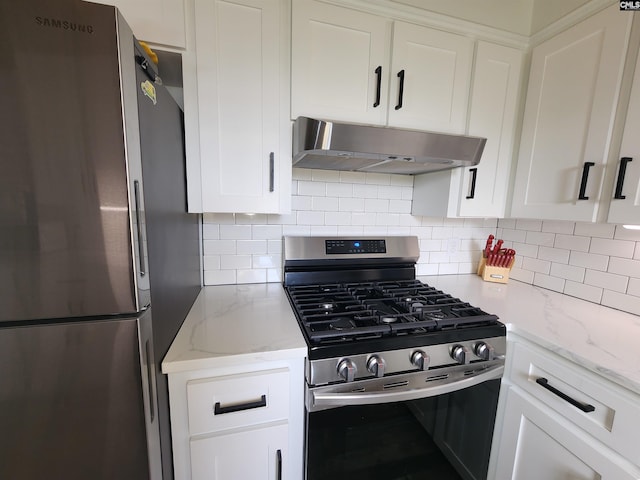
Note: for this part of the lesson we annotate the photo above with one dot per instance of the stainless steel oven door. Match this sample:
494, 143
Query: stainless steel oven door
436, 424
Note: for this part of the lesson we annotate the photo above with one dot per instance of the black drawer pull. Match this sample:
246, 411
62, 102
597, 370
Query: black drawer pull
218, 410
378, 86
400, 89
583, 181
271, 171
474, 174
585, 407
621, 173
279, 465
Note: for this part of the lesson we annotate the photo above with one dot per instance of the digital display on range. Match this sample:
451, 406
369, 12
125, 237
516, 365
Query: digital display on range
333, 247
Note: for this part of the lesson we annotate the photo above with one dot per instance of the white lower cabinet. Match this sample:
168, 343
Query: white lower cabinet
243, 422
256, 454
558, 421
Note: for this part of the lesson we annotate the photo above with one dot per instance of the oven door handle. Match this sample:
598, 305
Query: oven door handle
335, 399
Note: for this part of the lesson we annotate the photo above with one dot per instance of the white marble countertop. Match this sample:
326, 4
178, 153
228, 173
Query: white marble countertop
232, 325
237, 324
601, 339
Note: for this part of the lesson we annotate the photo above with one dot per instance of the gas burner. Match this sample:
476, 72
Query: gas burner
342, 323
433, 314
327, 306
388, 319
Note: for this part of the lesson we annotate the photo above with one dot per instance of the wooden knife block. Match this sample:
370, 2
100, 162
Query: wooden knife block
494, 274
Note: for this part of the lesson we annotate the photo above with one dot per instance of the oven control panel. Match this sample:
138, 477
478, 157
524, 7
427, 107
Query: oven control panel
333, 247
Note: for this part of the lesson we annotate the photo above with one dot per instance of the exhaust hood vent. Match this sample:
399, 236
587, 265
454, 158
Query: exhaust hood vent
341, 146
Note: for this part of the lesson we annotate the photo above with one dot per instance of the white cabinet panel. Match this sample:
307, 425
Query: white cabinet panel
569, 114
335, 54
480, 191
436, 71
252, 455
242, 83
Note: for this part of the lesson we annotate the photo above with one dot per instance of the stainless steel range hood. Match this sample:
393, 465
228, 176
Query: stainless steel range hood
342, 146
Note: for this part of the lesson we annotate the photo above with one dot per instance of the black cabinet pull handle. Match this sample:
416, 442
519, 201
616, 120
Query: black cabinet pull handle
378, 85
474, 174
621, 173
585, 407
142, 262
583, 182
271, 170
400, 89
218, 410
279, 465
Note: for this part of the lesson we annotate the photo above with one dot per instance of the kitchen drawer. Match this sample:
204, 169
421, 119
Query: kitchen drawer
614, 418
234, 401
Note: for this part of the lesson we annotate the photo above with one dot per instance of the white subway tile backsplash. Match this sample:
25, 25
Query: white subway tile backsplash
614, 248
325, 204
589, 260
235, 232
627, 303
596, 262
558, 255
540, 238
573, 242
325, 176
568, 272
551, 283
249, 247
378, 178
620, 266
340, 190
312, 189
585, 292
365, 191
600, 230
266, 232
353, 177
605, 280
234, 262
310, 218
554, 226
219, 247
634, 287
530, 225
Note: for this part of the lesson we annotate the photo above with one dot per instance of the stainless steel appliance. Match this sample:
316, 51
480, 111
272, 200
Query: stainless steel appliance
402, 379
93, 233
343, 146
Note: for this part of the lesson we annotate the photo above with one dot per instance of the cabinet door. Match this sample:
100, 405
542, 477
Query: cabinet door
480, 191
340, 60
569, 113
160, 22
242, 69
537, 443
258, 454
625, 205
433, 70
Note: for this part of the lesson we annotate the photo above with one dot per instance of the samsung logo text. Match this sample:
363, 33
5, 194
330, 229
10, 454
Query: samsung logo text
64, 25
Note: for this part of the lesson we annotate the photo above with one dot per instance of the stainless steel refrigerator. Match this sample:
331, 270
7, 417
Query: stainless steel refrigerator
99, 261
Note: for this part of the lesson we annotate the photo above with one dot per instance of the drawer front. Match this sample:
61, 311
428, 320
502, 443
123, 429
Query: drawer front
234, 401
590, 402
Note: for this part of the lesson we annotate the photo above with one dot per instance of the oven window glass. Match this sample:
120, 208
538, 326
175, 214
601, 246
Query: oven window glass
444, 437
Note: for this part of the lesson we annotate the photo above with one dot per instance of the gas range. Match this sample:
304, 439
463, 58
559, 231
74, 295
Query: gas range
364, 315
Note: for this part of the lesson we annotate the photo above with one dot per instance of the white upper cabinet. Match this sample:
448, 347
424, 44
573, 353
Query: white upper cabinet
625, 204
357, 67
242, 64
160, 22
480, 191
568, 120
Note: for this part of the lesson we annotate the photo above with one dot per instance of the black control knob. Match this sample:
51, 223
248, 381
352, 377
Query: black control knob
347, 370
461, 354
420, 360
376, 365
484, 351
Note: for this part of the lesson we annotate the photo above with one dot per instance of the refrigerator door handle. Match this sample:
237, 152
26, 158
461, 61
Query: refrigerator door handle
141, 260
152, 383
